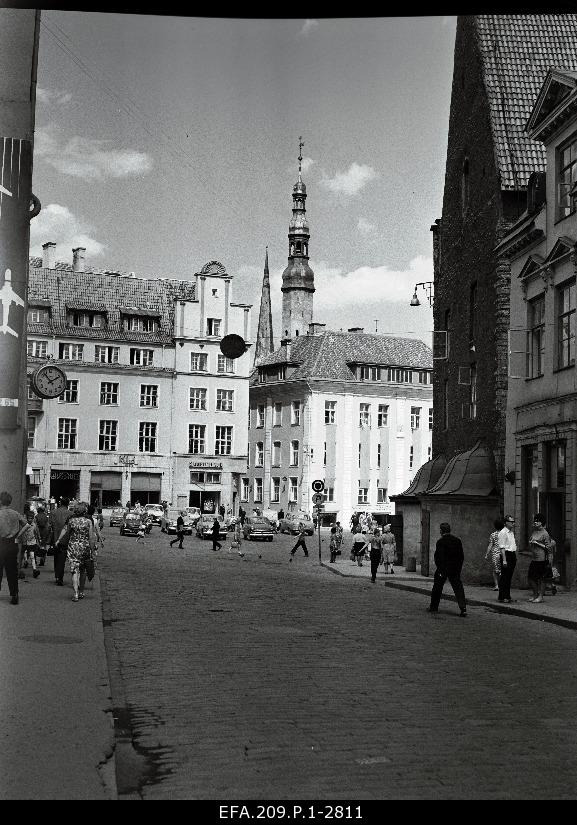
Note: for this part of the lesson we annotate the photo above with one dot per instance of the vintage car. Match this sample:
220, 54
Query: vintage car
131, 524
272, 517
295, 522
117, 516
168, 523
257, 527
155, 512
204, 527
194, 513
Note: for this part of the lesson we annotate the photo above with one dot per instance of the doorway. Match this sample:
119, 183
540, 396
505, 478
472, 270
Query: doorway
65, 483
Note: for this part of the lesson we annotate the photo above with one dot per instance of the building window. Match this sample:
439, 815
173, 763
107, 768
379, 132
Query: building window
567, 179
556, 465
430, 418
71, 352
36, 349
277, 414
330, 412
149, 395
258, 490
411, 455
275, 489
370, 373
293, 489
88, 319
213, 326
381, 495
70, 394
364, 415
260, 410
213, 478
107, 355
276, 454
30, 392
294, 458
363, 496
472, 312
197, 478
259, 454
379, 450
141, 357
38, 315
261, 376
223, 441
140, 323
67, 433
296, 412
31, 430
536, 337
147, 436
107, 436
424, 376
566, 325
197, 398
224, 400
244, 489
383, 415
415, 418
196, 438
281, 373
198, 361
446, 404
473, 391
399, 376
108, 393
225, 364
328, 494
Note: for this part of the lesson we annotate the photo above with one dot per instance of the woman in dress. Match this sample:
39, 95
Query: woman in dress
389, 549
81, 544
539, 544
493, 554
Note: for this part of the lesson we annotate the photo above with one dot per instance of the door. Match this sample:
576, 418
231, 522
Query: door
553, 512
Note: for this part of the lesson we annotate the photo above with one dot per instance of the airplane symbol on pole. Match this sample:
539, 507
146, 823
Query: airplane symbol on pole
8, 297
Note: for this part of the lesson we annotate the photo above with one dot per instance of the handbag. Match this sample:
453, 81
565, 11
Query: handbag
90, 569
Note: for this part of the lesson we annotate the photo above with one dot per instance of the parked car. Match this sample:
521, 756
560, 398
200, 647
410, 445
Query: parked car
194, 513
257, 527
204, 527
168, 523
130, 524
272, 517
117, 516
295, 522
155, 511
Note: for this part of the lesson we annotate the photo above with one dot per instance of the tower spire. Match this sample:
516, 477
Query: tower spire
264, 336
300, 158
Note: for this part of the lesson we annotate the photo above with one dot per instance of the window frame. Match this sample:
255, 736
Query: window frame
570, 287
112, 436
151, 436
110, 350
72, 434
154, 387
535, 337
62, 398
196, 433
115, 392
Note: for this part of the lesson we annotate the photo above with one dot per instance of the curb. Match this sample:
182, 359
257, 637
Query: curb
570, 624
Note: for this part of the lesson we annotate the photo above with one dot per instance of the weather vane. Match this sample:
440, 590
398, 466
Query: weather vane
301, 144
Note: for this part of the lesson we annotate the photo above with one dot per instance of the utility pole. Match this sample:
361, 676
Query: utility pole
19, 34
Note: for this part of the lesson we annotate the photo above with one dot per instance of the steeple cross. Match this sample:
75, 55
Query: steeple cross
300, 158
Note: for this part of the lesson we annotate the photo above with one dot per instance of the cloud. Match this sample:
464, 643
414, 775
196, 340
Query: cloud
58, 224
365, 227
89, 158
308, 27
352, 181
52, 96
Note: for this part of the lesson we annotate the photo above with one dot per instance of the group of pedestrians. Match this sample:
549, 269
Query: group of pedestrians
26, 538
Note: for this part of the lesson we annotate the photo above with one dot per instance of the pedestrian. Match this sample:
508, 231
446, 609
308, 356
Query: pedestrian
241, 514
300, 543
179, 531
493, 554
449, 558
81, 544
58, 519
339, 537
28, 544
100, 518
540, 547
10, 524
333, 547
389, 549
216, 535
508, 551
376, 552
359, 546
140, 534
280, 514
222, 511
237, 537
43, 525
354, 523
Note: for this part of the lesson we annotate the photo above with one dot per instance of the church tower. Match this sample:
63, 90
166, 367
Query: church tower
264, 337
298, 278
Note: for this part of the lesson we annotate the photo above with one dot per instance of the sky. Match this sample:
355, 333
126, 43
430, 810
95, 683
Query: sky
162, 143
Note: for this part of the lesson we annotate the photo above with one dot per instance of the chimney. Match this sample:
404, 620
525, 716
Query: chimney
48, 255
315, 328
78, 259
356, 329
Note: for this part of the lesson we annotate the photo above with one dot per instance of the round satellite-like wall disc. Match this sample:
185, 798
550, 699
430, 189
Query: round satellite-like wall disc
233, 346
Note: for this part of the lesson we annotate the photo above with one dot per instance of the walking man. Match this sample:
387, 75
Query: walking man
10, 523
179, 531
508, 550
449, 558
376, 553
58, 518
216, 535
300, 543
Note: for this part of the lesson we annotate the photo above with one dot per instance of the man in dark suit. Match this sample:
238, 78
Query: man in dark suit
58, 519
449, 559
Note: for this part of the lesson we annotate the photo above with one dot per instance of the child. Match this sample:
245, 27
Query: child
334, 546
28, 540
300, 543
140, 534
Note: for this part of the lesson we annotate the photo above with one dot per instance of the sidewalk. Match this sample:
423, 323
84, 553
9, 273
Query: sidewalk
560, 609
57, 735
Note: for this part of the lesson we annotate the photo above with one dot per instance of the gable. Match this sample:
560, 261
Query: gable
556, 93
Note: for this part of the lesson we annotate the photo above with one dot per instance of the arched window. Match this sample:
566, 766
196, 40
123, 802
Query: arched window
298, 247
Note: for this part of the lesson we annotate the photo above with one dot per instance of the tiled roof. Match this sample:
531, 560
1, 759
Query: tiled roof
517, 51
105, 291
330, 354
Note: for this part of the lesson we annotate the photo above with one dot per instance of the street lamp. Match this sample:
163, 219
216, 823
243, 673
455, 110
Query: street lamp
428, 286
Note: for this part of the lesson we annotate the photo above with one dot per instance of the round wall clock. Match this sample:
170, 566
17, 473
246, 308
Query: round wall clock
48, 381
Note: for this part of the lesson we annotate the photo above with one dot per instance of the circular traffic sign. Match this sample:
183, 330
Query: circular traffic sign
318, 485
318, 498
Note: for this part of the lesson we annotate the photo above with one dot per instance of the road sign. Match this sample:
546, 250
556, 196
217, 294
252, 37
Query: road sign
318, 485
318, 498
319, 508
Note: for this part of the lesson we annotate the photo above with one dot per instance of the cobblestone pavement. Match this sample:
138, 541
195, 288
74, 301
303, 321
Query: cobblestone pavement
256, 678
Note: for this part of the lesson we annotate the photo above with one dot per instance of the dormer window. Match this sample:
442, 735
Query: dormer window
85, 318
261, 376
141, 323
370, 373
38, 315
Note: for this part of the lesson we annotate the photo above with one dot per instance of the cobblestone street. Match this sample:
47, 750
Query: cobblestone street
256, 678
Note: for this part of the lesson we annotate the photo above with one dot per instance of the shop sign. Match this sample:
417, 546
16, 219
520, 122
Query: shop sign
59, 475
205, 465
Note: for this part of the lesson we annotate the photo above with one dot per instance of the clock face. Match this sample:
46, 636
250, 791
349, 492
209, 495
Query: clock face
49, 381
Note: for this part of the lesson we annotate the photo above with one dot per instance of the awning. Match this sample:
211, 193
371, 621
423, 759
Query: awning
145, 481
